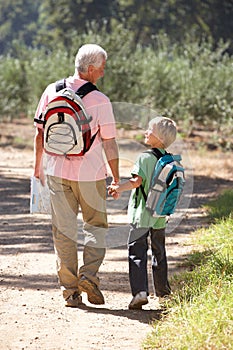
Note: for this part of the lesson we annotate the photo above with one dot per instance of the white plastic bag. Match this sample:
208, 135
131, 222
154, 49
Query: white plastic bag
39, 201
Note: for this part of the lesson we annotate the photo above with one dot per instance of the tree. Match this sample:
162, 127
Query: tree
18, 21
51, 22
62, 20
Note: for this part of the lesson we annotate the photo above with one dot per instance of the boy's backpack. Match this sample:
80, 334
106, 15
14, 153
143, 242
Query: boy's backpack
66, 123
166, 184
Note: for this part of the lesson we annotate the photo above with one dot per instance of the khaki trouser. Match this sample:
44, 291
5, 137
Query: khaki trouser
66, 198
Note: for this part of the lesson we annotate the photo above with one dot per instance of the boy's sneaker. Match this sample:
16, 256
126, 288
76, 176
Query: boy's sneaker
94, 295
139, 300
74, 300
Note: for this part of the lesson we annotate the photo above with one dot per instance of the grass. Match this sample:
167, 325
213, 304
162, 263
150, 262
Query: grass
199, 315
221, 207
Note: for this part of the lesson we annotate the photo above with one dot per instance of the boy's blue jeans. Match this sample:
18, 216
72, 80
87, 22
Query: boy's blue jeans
137, 256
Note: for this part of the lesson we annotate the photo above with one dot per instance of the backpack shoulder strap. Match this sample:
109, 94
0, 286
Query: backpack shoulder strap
60, 84
136, 195
81, 92
85, 89
156, 152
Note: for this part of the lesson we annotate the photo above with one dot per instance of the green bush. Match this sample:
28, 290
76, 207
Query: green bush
190, 83
44, 68
14, 87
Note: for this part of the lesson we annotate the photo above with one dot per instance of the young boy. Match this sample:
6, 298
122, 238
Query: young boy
160, 134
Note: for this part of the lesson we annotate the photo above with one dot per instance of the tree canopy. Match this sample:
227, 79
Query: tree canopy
47, 22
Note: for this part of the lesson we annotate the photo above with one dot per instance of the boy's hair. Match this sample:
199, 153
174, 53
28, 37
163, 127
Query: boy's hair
89, 54
164, 129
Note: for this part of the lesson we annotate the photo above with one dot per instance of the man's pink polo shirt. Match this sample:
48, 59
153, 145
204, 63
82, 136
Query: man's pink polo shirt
91, 166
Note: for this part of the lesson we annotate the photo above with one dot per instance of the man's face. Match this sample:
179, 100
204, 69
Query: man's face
96, 73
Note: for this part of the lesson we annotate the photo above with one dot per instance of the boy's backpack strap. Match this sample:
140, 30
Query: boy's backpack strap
136, 195
158, 154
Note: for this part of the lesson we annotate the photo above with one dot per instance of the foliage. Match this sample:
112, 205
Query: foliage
18, 22
44, 68
199, 316
49, 22
15, 89
191, 83
176, 17
69, 19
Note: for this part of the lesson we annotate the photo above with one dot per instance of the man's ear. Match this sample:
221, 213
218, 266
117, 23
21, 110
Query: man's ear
91, 69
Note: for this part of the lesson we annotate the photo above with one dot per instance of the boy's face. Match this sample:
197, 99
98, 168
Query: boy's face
151, 139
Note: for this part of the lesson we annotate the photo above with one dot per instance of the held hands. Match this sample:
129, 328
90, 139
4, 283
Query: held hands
112, 190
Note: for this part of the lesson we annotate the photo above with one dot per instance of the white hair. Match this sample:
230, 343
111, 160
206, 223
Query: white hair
164, 129
89, 54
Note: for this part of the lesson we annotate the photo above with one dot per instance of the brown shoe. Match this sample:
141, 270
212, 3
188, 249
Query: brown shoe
74, 300
94, 295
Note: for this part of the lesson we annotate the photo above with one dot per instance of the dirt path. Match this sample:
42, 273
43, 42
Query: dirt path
32, 312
